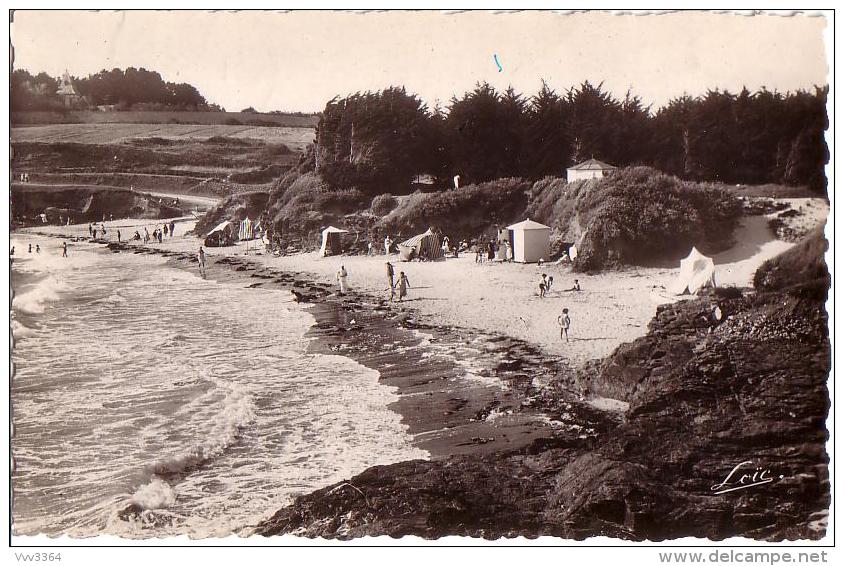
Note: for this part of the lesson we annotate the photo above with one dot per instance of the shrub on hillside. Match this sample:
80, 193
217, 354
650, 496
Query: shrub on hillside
639, 215
301, 205
382, 205
467, 212
803, 264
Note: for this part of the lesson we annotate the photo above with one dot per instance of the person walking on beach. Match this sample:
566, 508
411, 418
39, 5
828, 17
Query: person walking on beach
30, 248
390, 280
342, 279
403, 284
146, 235
565, 323
64, 249
95, 233
159, 236
201, 257
370, 250
118, 235
90, 229
166, 229
549, 284
388, 244
172, 228
38, 248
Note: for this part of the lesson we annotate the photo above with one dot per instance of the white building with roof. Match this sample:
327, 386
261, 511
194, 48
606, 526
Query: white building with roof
589, 169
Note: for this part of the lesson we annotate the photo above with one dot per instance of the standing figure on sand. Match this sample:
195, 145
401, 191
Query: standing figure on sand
388, 244
64, 249
342, 279
543, 286
201, 257
391, 280
565, 323
403, 284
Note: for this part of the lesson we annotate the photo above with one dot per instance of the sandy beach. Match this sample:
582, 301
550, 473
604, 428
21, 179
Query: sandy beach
612, 307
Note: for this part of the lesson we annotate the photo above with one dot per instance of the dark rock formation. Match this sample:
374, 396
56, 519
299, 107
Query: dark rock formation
706, 394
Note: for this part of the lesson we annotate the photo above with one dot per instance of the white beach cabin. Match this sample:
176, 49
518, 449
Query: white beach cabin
531, 241
589, 169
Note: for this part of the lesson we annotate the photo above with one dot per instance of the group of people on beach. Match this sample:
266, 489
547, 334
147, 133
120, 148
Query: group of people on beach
547, 282
38, 249
159, 233
490, 251
93, 230
401, 285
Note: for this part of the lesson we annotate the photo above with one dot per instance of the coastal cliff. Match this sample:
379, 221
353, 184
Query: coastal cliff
705, 396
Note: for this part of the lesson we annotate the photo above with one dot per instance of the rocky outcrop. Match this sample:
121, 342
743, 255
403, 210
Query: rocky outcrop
707, 393
84, 203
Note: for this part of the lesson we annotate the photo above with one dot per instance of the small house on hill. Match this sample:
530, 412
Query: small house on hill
589, 169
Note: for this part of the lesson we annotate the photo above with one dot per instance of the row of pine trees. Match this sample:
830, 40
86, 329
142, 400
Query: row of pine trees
381, 141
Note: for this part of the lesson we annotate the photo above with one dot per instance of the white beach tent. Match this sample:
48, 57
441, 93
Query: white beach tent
332, 241
531, 241
221, 235
696, 271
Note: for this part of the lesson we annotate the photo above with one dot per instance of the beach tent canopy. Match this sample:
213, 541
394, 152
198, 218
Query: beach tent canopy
332, 241
531, 241
424, 246
696, 272
221, 235
246, 230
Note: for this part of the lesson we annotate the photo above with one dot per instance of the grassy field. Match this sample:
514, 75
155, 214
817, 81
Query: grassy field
294, 138
165, 117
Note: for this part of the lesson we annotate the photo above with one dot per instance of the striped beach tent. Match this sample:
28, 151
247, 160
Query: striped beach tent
424, 246
247, 230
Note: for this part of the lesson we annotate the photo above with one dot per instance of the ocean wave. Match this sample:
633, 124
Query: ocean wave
112, 299
236, 412
22, 331
157, 494
35, 300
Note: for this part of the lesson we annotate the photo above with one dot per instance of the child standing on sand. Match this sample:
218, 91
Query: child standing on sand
543, 286
565, 323
403, 285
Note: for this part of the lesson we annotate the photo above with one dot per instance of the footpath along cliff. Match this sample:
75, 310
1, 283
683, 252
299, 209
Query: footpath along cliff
707, 395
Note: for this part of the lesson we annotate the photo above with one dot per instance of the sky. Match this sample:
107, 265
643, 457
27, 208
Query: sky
296, 61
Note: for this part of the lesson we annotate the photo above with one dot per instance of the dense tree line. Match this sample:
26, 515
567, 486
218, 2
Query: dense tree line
129, 89
381, 141
33, 92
